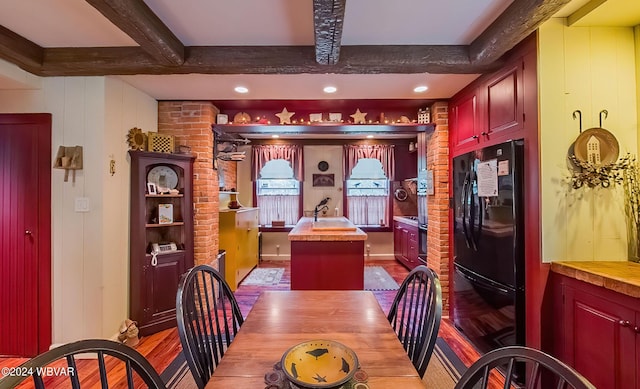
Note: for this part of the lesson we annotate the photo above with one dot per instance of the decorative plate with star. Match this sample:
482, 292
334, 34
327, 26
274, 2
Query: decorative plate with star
319, 364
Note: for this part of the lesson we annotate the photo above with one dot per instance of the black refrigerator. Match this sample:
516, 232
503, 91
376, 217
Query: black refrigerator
488, 277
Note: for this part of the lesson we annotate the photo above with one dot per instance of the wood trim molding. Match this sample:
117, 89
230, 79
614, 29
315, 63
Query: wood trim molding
328, 19
137, 20
160, 52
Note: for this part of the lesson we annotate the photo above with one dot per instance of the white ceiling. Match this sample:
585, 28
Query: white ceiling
75, 23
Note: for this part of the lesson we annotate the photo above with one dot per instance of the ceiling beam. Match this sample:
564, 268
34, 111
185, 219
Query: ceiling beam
399, 59
137, 20
328, 19
517, 22
161, 52
20, 51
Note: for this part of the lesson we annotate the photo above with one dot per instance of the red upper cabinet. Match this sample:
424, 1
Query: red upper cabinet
463, 119
504, 96
491, 110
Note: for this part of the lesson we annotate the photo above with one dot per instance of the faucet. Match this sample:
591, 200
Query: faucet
322, 206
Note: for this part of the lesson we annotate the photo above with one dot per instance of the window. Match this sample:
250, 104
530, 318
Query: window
368, 194
278, 193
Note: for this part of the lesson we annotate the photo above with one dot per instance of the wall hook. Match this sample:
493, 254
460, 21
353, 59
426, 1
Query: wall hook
578, 113
606, 113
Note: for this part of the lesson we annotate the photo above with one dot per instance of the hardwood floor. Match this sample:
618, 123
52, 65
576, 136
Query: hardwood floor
161, 348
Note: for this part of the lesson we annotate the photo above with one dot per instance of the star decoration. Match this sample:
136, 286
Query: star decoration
285, 116
358, 117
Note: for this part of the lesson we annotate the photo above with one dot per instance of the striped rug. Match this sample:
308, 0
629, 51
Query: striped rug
444, 370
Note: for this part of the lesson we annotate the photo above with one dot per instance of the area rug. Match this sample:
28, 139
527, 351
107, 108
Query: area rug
444, 370
177, 375
264, 276
376, 278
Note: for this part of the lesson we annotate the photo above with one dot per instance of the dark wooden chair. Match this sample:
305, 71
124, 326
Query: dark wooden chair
543, 370
49, 370
415, 315
208, 319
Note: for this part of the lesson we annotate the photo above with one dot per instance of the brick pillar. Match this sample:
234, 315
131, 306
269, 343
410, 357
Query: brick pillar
438, 204
190, 123
228, 170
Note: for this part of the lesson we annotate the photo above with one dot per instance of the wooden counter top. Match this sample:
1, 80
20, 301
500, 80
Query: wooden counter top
335, 229
241, 209
620, 276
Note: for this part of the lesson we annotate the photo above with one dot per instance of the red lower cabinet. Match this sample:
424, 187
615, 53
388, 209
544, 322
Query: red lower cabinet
600, 334
405, 244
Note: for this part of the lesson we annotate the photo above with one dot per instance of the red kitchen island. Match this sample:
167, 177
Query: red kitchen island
327, 254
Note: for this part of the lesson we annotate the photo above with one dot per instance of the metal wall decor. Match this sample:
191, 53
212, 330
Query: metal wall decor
595, 156
323, 166
400, 194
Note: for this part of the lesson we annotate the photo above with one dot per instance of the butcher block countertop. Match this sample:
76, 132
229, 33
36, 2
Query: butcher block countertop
622, 277
326, 229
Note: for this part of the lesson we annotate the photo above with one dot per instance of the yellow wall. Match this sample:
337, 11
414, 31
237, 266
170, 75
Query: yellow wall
636, 33
589, 69
90, 251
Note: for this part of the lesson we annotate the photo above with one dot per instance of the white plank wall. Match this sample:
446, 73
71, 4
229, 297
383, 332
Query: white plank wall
89, 250
589, 69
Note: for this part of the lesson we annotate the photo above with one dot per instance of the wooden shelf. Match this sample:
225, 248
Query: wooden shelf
324, 128
163, 195
167, 253
153, 284
164, 225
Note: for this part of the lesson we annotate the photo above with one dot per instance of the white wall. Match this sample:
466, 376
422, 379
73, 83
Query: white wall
275, 245
589, 69
89, 250
314, 194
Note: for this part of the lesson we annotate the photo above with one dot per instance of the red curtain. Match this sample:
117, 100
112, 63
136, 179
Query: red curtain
383, 153
265, 153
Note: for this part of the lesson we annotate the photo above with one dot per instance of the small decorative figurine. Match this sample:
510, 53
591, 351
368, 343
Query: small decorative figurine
129, 333
285, 116
358, 117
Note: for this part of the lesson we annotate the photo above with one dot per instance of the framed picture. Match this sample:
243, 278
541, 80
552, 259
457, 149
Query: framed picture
323, 180
222, 118
165, 213
315, 117
335, 117
152, 189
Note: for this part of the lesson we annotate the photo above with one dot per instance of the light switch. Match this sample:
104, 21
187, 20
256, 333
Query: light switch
82, 204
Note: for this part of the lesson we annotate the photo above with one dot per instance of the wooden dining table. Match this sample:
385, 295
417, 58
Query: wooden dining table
282, 319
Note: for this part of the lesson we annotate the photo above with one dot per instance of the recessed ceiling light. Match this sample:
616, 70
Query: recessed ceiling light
275, 136
369, 136
330, 89
241, 89
420, 89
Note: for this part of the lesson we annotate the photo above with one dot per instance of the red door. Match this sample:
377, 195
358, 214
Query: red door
25, 234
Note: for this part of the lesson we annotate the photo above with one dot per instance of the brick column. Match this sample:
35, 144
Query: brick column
438, 204
228, 170
190, 123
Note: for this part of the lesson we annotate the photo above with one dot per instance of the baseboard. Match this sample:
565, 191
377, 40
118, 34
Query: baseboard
379, 257
274, 257
287, 257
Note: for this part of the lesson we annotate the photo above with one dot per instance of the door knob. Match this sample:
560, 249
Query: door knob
626, 323
27, 232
